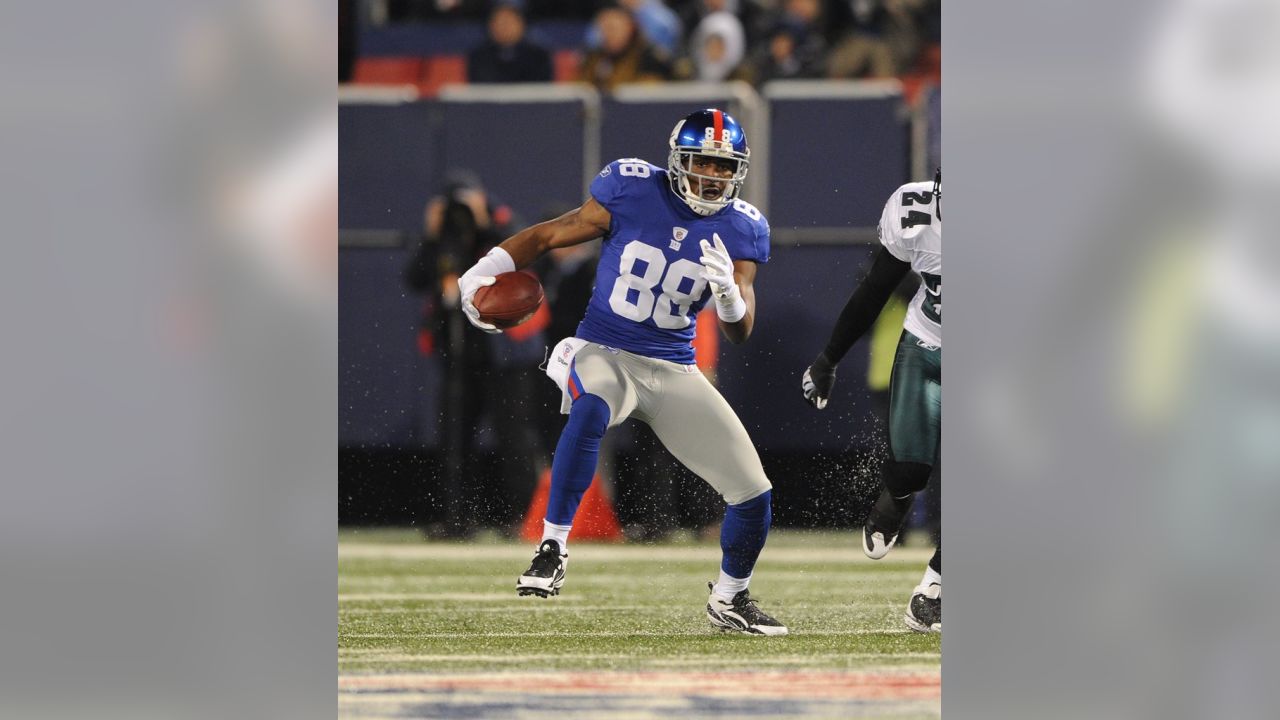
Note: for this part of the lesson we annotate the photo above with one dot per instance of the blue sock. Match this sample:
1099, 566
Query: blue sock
742, 535
574, 463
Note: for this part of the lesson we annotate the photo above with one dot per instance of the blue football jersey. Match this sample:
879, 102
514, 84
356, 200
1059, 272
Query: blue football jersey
648, 287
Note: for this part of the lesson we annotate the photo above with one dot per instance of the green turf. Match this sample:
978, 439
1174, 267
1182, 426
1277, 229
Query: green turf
407, 605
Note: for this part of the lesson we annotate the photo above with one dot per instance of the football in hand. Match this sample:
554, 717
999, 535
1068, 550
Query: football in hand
513, 298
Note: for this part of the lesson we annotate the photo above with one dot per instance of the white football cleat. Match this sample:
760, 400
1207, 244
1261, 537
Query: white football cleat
741, 615
884, 522
924, 612
874, 543
545, 575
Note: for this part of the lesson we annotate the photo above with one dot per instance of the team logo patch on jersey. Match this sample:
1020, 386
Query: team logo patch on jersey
607, 171
678, 234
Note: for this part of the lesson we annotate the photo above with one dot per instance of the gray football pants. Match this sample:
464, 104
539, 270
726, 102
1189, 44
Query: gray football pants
689, 416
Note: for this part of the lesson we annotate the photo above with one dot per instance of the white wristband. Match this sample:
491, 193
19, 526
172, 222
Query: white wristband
731, 308
496, 262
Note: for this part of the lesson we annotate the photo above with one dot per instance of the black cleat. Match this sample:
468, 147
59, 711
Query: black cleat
741, 615
545, 575
884, 522
924, 612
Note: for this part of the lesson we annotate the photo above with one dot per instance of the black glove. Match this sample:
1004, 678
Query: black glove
817, 381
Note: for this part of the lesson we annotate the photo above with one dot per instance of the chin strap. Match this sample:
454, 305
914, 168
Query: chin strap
698, 205
937, 191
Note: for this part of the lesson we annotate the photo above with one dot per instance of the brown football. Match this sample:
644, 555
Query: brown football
513, 298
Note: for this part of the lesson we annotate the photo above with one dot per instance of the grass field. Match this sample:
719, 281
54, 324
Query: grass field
436, 630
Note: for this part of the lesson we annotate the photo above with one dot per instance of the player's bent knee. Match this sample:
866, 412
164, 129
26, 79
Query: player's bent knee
593, 411
758, 504
748, 494
904, 478
588, 419
756, 514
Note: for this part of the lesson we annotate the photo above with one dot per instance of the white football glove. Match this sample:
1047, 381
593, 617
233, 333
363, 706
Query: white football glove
717, 270
482, 274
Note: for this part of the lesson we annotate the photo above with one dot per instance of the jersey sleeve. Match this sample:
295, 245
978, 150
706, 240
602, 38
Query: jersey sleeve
890, 232
762, 237
906, 220
752, 237
620, 180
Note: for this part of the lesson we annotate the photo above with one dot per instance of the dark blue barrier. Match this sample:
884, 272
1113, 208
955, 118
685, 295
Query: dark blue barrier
387, 392
392, 158
530, 157
799, 293
387, 165
931, 102
834, 161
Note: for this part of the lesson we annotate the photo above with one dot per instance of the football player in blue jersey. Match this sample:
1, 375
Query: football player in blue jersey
674, 240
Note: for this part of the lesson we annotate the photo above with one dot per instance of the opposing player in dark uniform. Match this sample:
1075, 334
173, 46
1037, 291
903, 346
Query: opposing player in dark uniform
911, 236
674, 240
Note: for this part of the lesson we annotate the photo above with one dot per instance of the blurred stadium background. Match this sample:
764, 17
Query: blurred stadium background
826, 153
171, 300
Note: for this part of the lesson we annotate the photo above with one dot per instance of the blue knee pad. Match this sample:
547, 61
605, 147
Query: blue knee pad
746, 525
574, 463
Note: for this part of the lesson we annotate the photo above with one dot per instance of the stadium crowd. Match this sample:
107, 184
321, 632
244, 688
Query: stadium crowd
654, 41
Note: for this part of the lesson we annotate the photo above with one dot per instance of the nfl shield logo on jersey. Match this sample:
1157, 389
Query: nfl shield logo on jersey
678, 235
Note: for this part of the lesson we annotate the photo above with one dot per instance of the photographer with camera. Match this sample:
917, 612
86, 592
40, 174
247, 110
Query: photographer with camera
485, 376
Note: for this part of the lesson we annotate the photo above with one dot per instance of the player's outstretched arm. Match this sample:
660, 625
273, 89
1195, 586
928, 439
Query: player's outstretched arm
572, 228
859, 314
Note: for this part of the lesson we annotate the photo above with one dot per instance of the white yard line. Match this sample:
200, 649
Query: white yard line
614, 553
373, 588
790, 660
519, 606
600, 634
507, 597
510, 608
375, 656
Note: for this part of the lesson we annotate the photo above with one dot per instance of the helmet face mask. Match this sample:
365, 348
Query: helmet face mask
701, 143
937, 192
